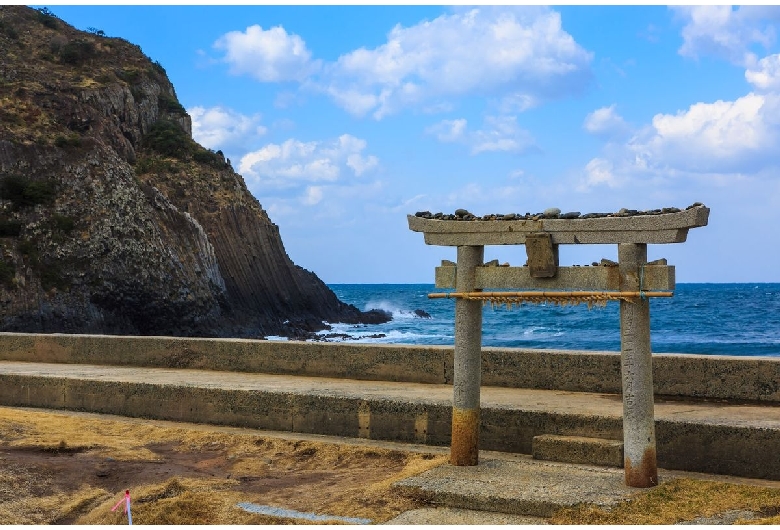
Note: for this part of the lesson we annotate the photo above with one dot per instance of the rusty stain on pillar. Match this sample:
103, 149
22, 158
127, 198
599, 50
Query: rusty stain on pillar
464, 449
636, 365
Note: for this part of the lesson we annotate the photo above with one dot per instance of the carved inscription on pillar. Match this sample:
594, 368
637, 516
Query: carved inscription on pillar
542, 255
629, 375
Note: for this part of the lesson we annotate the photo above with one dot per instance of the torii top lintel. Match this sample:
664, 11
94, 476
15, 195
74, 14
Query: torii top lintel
640, 227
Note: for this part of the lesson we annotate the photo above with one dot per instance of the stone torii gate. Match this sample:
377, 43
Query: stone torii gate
632, 281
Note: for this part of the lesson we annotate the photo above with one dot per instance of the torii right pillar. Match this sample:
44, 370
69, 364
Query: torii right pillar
636, 366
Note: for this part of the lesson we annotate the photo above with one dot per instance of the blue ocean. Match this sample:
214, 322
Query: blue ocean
711, 319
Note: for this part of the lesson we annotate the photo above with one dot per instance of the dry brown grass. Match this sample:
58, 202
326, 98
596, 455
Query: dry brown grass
318, 477
679, 500
308, 476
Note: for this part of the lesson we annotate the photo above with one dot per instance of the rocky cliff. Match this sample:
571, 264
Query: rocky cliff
112, 219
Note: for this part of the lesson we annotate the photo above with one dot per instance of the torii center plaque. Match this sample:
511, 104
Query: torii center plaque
632, 281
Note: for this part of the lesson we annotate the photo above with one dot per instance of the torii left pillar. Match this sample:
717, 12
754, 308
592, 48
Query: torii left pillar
464, 449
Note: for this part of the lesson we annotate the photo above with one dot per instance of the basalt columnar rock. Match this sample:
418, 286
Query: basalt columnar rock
112, 219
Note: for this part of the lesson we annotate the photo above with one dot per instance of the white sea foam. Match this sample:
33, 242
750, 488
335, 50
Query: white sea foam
375, 334
398, 313
277, 338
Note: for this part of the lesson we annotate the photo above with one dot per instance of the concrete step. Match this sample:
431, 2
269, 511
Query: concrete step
521, 487
578, 450
449, 516
710, 437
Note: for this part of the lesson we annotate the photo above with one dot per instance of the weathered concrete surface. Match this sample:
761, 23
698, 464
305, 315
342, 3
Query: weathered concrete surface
636, 362
668, 228
449, 516
713, 437
467, 362
578, 450
674, 375
355, 361
510, 484
586, 278
520, 486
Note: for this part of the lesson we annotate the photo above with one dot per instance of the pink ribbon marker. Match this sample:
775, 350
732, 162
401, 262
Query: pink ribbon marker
126, 500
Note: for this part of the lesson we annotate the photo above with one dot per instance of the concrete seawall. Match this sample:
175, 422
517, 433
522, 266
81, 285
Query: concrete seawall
713, 414
735, 378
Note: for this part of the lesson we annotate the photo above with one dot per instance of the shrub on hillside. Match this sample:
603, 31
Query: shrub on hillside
207, 156
22, 191
47, 18
169, 104
10, 228
7, 273
62, 223
168, 139
73, 140
77, 52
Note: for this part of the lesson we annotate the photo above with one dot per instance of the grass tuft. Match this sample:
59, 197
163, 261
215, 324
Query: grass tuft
676, 501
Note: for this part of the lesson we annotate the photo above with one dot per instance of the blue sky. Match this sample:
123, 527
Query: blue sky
342, 120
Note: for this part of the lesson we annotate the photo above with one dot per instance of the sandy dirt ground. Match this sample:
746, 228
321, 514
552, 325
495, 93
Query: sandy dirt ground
61, 467
71, 468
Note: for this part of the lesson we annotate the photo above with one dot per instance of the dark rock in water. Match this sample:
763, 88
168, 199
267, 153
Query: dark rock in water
339, 337
422, 314
328, 337
376, 316
137, 229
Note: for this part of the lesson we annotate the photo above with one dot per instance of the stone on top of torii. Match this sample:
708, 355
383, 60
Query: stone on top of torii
667, 225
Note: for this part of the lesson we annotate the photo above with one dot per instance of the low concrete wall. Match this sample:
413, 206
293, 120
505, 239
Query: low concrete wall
676, 375
740, 450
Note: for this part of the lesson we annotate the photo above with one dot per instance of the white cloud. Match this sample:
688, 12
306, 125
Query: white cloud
599, 172
723, 136
312, 196
766, 75
222, 128
448, 130
519, 55
294, 164
361, 164
481, 51
498, 133
267, 55
517, 103
719, 142
605, 122
725, 32
501, 134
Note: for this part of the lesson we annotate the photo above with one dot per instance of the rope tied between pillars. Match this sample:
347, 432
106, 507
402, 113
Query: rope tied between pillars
560, 298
